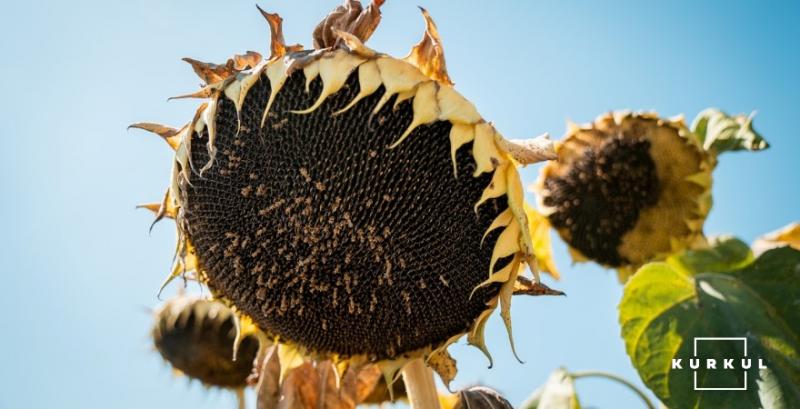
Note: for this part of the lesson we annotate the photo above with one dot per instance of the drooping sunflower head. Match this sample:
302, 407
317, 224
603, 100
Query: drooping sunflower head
196, 337
630, 188
352, 204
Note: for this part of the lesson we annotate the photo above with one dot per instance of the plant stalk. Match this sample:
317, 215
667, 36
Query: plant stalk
619, 379
240, 398
420, 386
530, 151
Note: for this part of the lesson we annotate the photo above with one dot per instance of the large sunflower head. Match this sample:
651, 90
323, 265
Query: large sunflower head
196, 337
632, 187
352, 204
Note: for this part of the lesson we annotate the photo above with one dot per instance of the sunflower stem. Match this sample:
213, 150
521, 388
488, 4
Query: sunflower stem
240, 398
618, 379
420, 386
529, 151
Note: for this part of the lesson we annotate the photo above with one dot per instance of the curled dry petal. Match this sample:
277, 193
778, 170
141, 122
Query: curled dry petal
527, 286
211, 73
339, 19
367, 21
167, 133
428, 54
246, 61
202, 93
350, 17
354, 44
277, 46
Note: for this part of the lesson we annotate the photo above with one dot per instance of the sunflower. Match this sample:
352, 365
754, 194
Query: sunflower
196, 337
477, 397
630, 188
352, 205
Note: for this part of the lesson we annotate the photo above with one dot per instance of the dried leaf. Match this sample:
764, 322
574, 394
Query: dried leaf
444, 365
371, 387
721, 132
368, 381
268, 388
315, 386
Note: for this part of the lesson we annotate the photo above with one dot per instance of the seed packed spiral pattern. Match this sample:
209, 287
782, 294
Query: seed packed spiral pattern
351, 205
601, 196
326, 237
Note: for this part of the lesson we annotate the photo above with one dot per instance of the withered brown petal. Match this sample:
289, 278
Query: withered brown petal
245, 61
277, 45
367, 21
163, 131
527, 286
211, 73
428, 54
203, 93
350, 17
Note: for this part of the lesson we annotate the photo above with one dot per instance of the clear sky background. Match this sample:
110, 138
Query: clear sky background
79, 269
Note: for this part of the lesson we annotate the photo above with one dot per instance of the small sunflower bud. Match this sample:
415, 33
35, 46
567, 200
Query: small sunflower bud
481, 397
196, 337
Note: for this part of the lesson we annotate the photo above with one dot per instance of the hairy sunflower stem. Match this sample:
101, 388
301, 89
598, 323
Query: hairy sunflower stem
240, 398
529, 151
616, 378
420, 385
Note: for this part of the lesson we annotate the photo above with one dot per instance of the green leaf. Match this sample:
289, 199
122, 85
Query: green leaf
721, 132
557, 393
665, 307
725, 254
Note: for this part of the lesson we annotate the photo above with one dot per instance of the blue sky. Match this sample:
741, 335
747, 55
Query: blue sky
79, 269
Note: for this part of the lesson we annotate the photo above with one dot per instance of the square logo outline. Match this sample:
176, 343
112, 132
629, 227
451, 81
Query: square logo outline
694, 353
